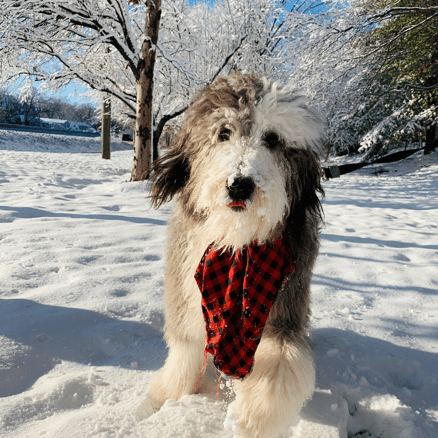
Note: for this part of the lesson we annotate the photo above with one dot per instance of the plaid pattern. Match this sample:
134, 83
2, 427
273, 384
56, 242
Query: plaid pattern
238, 291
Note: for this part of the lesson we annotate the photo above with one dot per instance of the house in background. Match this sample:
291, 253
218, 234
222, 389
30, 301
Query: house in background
82, 126
54, 123
66, 125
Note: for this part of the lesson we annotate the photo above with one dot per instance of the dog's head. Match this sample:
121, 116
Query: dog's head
245, 163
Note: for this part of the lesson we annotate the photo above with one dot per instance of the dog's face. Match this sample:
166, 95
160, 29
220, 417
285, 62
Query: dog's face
245, 159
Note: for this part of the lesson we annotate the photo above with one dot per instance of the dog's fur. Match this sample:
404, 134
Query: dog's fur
242, 126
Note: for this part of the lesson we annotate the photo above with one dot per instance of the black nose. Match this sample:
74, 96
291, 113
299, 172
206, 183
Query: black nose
241, 189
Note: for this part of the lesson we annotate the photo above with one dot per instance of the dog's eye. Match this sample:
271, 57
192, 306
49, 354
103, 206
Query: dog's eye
224, 134
271, 139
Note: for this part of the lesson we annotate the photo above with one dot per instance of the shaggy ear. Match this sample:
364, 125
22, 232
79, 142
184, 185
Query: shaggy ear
169, 175
305, 185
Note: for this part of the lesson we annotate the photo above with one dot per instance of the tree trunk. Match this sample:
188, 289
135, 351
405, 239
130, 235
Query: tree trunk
157, 135
106, 128
145, 85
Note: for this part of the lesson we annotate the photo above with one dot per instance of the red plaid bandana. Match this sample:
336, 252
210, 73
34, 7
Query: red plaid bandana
238, 291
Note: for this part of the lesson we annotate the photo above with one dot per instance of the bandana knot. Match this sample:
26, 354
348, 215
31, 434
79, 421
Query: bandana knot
238, 290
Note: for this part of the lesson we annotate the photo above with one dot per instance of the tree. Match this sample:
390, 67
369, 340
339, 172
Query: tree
10, 106
30, 101
85, 113
98, 42
24, 108
368, 85
79, 36
401, 44
53, 108
101, 43
3, 103
375, 118
410, 38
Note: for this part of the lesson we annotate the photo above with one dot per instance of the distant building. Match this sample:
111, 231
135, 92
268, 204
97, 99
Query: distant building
67, 125
82, 126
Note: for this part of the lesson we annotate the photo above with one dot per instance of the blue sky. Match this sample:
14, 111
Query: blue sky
75, 94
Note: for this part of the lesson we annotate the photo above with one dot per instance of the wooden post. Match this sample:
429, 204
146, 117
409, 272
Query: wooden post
431, 139
106, 128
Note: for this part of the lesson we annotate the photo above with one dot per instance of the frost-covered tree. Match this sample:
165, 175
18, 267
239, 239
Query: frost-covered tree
372, 103
112, 47
104, 44
24, 108
30, 103
10, 108
375, 117
409, 40
397, 101
59, 41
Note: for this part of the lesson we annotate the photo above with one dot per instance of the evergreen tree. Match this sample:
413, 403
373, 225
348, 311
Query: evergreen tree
389, 99
409, 36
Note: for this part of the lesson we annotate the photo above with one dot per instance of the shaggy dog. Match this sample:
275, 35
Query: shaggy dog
245, 167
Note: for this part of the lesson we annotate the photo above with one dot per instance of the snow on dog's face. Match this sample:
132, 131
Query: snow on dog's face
234, 161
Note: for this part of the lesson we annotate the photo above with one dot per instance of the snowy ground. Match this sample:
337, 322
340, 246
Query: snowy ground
81, 270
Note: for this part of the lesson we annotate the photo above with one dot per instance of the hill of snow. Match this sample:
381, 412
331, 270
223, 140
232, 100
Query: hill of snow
81, 280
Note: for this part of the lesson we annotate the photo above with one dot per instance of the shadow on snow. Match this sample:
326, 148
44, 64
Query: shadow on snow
36, 337
31, 213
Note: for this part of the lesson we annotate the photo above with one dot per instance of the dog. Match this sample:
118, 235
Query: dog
244, 168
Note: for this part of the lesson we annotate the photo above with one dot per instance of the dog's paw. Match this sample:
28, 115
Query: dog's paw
145, 410
264, 424
155, 404
231, 423
158, 393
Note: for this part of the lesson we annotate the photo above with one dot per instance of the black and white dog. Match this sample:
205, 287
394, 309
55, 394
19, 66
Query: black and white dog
245, 167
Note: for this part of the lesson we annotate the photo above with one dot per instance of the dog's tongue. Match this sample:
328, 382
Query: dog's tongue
237, 204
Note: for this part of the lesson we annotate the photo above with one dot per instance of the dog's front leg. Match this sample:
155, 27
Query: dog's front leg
180, 373
185, 326
269, 400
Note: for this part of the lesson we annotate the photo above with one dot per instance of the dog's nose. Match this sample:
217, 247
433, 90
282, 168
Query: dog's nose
241, 189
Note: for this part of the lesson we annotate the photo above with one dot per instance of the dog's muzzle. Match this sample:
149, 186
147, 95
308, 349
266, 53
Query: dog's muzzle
239, 192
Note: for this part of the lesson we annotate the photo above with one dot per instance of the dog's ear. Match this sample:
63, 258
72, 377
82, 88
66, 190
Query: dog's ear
169, 173
305, 186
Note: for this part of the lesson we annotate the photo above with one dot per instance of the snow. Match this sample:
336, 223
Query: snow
81, 281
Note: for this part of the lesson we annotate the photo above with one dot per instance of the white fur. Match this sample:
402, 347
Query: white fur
282, 111
268, 401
